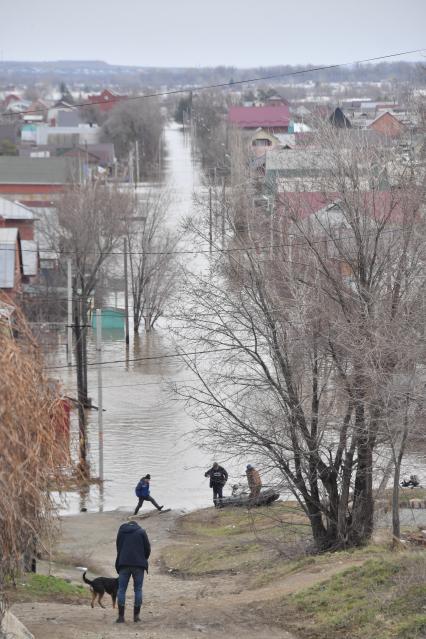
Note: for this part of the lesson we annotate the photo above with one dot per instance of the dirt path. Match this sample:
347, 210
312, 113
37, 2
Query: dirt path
173, 608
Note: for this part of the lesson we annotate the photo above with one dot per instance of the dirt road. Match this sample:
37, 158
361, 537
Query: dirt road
173, 608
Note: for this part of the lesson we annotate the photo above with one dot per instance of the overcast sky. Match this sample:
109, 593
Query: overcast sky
209, 32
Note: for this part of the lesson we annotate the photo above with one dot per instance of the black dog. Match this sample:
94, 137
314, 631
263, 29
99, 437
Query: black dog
100, 586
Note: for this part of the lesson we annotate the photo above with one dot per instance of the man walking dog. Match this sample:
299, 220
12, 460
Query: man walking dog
133, 551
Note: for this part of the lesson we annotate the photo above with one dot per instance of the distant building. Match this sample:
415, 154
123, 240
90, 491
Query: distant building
106, 100
275, 119
37, 181
387, 124
102, 154
62, 136
11, 265
339, 120
15, 215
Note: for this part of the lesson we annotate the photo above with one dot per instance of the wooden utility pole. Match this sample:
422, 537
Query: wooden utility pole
82, 435
223, 212
210, 220
126, 292
137, 163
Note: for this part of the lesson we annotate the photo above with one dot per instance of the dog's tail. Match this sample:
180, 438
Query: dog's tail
85, 579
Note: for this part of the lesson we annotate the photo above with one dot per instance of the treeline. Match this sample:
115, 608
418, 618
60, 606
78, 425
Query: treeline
93, 73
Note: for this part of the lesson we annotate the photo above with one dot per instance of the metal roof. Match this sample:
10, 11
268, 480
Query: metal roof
22, 170
29, 257
14, 211
8, 239
264, 116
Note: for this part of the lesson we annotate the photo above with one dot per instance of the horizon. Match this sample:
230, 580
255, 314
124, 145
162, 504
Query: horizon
379, 60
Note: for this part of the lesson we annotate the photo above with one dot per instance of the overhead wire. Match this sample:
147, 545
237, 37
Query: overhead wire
219, 85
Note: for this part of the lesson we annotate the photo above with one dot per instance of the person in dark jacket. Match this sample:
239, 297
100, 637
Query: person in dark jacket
143, 493
218, 478
133, 551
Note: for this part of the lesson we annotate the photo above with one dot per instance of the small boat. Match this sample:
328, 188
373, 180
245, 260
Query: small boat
242, 499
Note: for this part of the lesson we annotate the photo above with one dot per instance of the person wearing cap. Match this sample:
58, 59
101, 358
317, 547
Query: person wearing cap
218, 478
142, 493
254, 481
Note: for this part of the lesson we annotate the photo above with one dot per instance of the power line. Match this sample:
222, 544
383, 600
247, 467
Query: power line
229, 84
140, 359
214, 250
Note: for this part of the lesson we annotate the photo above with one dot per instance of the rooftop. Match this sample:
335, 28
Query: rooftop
254, 117
14, 211
22, 170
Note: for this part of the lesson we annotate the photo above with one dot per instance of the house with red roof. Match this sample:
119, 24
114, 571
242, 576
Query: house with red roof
106, 100
275, 119
387, 124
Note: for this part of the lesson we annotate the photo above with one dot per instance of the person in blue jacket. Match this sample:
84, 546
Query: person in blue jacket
133, 551
142, 492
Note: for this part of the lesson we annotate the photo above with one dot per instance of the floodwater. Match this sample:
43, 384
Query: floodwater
146, 428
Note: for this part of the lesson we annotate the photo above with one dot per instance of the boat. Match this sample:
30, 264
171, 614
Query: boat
242, 499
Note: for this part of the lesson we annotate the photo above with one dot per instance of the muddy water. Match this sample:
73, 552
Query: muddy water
146, 429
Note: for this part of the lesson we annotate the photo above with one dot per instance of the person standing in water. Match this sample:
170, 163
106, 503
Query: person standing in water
142, 491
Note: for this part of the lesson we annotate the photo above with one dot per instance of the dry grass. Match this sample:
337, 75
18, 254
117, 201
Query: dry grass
32, 451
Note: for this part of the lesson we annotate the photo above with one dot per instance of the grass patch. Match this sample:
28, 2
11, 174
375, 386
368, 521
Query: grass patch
209, 558
233, 539
34, 587
382, 599
405, 494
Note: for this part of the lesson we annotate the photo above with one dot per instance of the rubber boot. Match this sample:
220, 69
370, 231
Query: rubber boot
120, 618
136, 613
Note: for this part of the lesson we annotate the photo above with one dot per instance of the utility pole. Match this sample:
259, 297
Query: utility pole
100, 408
223, 212
82, 438
126, 292
137, 163
210, 220
69, 314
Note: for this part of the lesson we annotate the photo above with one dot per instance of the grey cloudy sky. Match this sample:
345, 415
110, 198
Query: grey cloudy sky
209, 32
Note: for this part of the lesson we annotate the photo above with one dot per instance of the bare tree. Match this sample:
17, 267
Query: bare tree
140, 121
90, 222
153, 260
308, 330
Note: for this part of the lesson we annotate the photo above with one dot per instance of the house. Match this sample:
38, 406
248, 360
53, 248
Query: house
102, 154
339, 120
295, 169
106, 100
37, 181
387, 124
63, 136
11, 266
36, 112
15, 215
275, 119
10, 99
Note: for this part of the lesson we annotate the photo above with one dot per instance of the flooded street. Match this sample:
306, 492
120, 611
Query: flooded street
146, 429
